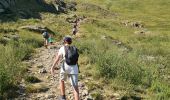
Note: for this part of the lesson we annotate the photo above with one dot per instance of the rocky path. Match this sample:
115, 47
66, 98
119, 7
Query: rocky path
47, 88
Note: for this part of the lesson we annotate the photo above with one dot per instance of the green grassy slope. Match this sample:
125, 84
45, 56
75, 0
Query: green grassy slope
126, 61
116, 58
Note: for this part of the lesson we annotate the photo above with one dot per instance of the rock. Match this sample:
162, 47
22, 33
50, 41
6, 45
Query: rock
43, 70
5, 4
117, 96
1, 10
47, 77
72, 6
36, 28
137, 24
103, 37
15, 37
81, 85
89, 98
126, 22
1, 7
85, 93
7, 38
140, 32
148, 58
49, 96
70, 97
40, 66
21, 90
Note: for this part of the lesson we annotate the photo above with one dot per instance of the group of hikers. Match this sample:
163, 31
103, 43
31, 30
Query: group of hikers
68, 57
48, 38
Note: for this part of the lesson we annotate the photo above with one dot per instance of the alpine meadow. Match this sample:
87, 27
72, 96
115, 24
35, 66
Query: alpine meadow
124, 48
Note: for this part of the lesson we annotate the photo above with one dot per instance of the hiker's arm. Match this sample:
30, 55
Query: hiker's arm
55, 62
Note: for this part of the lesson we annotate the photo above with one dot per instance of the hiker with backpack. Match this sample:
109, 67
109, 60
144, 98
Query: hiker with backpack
45, 36
68, 54
75, 30
75, 26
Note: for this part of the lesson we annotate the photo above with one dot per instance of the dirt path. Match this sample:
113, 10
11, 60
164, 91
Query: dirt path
48, 88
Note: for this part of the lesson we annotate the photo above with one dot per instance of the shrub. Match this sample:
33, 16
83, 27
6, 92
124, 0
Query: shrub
32, 79
11, 56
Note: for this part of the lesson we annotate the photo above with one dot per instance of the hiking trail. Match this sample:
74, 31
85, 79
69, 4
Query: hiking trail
48, 88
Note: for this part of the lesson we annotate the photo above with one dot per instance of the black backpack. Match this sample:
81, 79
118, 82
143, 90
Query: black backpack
45, 35
71, 55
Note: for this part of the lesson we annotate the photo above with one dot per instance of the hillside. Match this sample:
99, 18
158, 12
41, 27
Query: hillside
124, 46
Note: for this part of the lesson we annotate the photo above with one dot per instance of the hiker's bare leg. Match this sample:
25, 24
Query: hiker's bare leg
76, 93
46, 43
62, 88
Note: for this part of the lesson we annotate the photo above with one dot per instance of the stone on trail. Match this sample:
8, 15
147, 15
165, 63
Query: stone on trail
40, 66
43, 70
49, 96
85, 92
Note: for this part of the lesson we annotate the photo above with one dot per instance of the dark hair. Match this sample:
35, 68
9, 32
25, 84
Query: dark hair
68, 40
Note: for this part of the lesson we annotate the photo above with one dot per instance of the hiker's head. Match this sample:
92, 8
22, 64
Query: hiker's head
67, 40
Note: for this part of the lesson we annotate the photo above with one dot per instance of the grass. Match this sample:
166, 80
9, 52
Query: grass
148, 60
111, 53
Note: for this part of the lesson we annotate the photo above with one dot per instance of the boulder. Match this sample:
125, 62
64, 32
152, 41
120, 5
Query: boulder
43, 70
50, 96
36, 28
72, 6
85, 93
5, 4
2, 10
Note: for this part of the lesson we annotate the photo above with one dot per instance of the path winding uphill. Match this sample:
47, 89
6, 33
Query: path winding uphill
47, 88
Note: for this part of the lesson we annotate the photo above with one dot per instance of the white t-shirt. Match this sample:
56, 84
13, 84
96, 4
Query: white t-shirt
69, 69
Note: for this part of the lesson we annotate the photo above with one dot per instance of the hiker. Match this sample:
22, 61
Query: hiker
75, 26
50, 39
75, 30
68, 54
45, 36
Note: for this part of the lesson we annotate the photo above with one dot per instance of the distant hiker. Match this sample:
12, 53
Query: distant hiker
45, 36
69, 55
50, 39
75, 26
75, 29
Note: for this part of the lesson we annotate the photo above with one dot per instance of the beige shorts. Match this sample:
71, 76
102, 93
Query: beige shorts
72, 77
